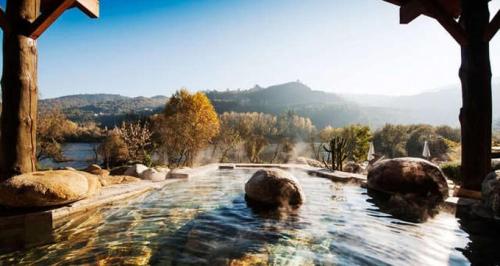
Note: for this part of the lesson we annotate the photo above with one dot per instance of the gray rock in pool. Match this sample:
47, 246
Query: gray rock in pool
491, 192
274, 188
409, 176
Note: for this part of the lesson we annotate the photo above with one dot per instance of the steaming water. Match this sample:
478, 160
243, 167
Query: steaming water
206, 220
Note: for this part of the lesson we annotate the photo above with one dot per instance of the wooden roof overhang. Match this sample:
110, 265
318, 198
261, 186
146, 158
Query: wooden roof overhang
446, 12
89, 7
51, 10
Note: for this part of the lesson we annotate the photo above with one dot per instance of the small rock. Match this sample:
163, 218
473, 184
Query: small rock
163, 170
120, 170
490, 191
136, 170
227, 166
178, 173
153, 175
93, 168
107, 181
274, 187
352, 167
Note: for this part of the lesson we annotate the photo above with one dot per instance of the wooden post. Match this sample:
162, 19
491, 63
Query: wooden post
476, 111
19, 90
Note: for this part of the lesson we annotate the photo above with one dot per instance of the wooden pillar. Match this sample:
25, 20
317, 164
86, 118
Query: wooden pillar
19, 90
476, 112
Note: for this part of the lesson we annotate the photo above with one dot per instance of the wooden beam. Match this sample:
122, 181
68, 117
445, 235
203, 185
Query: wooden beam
396, 2
89, 7
410, 11
446, 20
43, 22
3, 20
492, 28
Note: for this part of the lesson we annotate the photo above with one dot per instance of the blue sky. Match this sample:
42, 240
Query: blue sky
158, 46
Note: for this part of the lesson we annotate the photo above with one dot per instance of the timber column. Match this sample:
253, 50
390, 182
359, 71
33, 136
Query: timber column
476, 112
19, 90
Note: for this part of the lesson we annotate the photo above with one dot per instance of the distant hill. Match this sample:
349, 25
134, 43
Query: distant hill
106, 109
433, 107
322, 107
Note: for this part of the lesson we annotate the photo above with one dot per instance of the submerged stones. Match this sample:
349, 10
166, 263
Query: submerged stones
49, 188
490, 191
408, 176
274, 188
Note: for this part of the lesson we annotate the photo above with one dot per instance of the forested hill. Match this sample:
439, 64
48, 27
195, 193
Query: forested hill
278, 96
437, 107
105, 109
322, 107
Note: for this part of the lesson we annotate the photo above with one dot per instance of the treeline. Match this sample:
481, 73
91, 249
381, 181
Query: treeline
106, 110
189, 131
408, 140
54, 128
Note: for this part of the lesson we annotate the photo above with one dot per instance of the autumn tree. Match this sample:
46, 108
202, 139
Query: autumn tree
138, 138
256, 130
391, 140
53, 127
229, 137
360, 137
113, 150
187, 125
290, 128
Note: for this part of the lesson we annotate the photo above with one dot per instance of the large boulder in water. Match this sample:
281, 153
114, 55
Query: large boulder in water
490, 192
408, 176
49, 188
274, 188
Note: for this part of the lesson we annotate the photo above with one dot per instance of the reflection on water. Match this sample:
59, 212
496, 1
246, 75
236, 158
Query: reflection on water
78, 155
206, 220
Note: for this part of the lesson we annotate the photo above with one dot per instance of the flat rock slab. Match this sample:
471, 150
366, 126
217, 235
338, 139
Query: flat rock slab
32, 228
338, 176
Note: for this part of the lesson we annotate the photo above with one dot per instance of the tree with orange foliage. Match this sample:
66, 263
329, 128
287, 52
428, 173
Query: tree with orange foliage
52, 128
187, 125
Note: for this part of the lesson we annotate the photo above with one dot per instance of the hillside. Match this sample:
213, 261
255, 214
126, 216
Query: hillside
322, 107
433, 107
105, 109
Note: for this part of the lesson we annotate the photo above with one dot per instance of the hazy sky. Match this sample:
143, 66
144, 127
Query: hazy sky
151, 47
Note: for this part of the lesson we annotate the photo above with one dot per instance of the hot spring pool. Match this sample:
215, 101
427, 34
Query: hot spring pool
205, 220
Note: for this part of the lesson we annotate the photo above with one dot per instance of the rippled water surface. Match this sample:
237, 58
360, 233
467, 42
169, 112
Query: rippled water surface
205, 220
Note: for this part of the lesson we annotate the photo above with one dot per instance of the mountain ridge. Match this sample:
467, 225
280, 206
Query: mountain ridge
324, 108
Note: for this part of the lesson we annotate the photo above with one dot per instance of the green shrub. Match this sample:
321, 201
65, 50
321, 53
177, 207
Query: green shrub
452, 172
